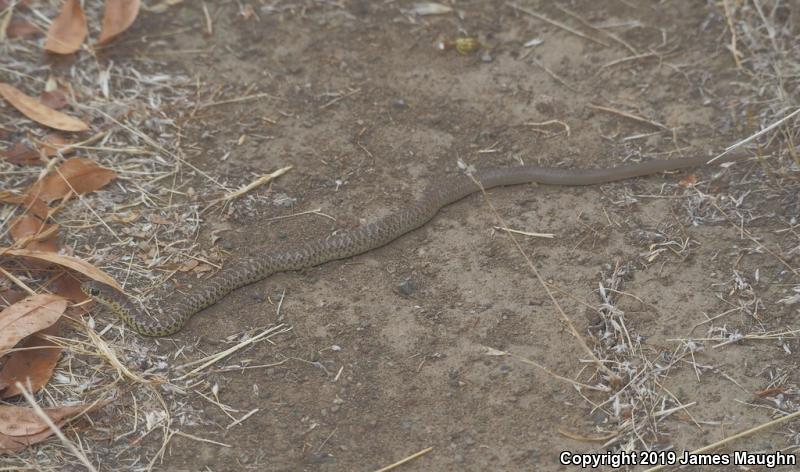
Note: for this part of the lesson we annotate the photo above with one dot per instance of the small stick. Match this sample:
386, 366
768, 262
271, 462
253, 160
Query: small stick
602, 31
407, 459
549, 122
557, 24
196, 438
734, 51
237, 100
526, 233
340, 97
554, 76
240, 420
625, 114
256, 183
209, 23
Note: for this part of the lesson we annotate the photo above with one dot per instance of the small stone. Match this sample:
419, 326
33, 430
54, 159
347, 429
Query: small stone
407, 287
486, 57
399, 104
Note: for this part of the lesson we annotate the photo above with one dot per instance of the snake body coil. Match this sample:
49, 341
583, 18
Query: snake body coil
174, 312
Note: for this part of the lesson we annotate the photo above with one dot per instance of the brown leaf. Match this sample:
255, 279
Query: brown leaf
33, 365
38, 112
68, 30
22, 29
81, 174
118, 16
53, 142
10, 296
28, 316
31, 232
21, 154
69, 287
55, 99
32, 205
70, 262
20, 427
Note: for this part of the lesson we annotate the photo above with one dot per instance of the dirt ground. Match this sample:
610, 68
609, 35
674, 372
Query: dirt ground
680, 283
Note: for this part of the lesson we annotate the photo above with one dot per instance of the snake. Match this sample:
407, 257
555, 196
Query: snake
172, 314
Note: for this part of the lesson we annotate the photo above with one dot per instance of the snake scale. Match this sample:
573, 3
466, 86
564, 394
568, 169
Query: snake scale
173, 313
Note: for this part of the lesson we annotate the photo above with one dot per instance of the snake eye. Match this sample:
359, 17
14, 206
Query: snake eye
94, 292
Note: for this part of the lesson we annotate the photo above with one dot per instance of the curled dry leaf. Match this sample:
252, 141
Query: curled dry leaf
28, 316
82, 175
117, 17
32, 365
20, 427
38, 112
68, 30
70, 262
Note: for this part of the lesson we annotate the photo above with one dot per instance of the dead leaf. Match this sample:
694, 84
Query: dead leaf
82, 175
118, 16
68, 31
78, 265
38, 112
54, 142
21, 154
33, 205
28, 316
10, 296
69, 287
32, 365
55, 99
31, 232
20, 427
22, 29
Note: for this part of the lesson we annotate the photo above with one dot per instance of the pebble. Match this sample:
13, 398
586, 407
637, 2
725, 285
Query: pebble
399, 104
486, 57
407, 287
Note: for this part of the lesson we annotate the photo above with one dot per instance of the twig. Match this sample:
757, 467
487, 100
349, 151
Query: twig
214, 358
407, 459
625, 114
236, 100
256, 183
557, 24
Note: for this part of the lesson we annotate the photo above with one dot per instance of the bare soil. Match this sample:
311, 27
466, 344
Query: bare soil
390, 352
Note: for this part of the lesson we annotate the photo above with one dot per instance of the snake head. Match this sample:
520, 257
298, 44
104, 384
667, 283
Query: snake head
98, 291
